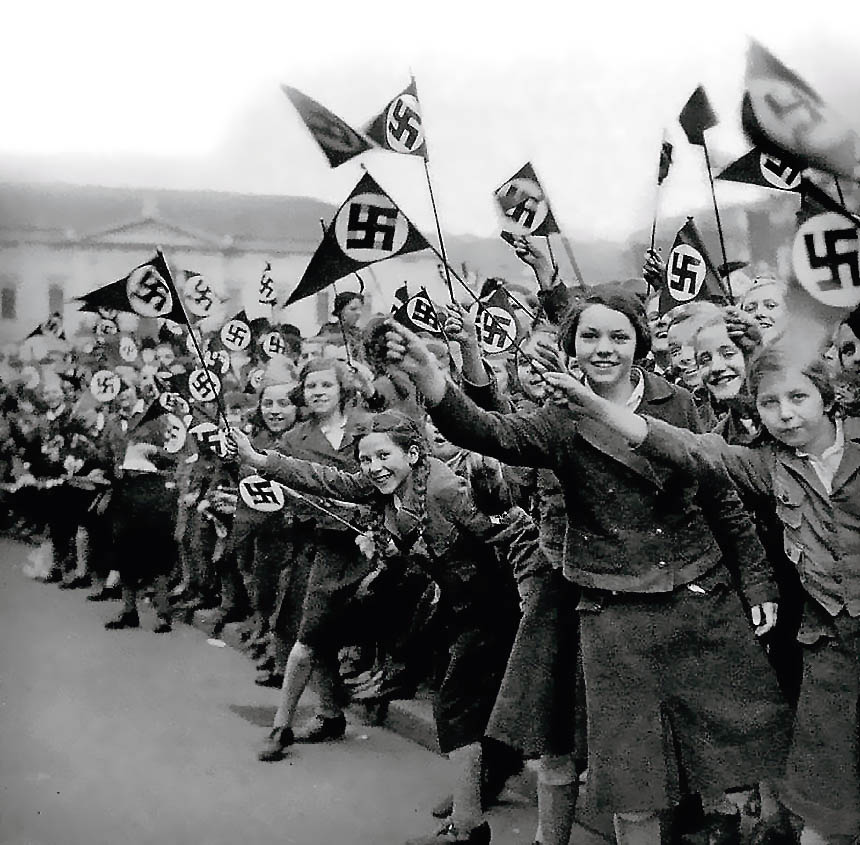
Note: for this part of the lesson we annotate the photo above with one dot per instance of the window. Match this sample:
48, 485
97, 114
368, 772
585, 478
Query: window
56, 298
8, 296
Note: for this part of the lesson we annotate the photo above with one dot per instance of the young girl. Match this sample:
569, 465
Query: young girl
422, 511
810, 466
679, 696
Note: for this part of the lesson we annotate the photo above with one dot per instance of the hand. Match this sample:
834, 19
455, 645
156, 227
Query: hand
366, 544
409, 354
567, 391
239, 446
653, 270
547, 357
366, 584
97, 474
528, 253
742, 329
459, 326
225, 502
764, 617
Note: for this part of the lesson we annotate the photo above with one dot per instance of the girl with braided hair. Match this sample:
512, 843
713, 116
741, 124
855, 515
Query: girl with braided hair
423, 512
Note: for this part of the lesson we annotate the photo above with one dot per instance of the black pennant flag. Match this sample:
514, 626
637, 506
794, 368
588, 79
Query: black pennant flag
416, 312
368, 228
697, 116
782, 114
148, 291
52, 327
690, 273
336, 138
399, 127
761, 168
524, 205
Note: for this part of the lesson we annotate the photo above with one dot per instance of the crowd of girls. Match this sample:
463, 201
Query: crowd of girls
627, 552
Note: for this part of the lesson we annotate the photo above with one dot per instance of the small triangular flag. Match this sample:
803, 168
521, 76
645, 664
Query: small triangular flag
523, 205
765, 170
690, 273
697, 116
399, 127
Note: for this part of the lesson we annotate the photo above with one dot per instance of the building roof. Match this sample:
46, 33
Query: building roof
79, 211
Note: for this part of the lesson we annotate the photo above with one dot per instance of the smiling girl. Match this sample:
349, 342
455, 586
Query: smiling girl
679, 696
810, 466
423, 512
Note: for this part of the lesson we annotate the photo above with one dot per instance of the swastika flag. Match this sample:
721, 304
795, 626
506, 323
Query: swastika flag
496, 322
415, 312
336, 138
52, 327
697, 116
399, 127
368, 228
148, 291
758, 167
783, 115
524, 205
690, 273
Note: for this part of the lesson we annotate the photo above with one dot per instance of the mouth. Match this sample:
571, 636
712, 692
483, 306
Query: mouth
723, 379
380, 479
603, 365
765, 322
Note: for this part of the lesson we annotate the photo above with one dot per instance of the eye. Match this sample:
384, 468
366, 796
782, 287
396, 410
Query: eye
748, 307
728, 352
798, 396
620, 337
767, 403
704, 358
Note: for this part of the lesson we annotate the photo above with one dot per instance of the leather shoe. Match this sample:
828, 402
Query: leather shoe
126, 619
52, 577
321, 728
479, 835
163, 627
76, 583
103, 595
273, 748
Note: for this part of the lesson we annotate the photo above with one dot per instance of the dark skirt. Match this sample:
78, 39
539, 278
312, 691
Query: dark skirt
477, 658
336, 572
822, 782
144, 514
535, 710
680, 698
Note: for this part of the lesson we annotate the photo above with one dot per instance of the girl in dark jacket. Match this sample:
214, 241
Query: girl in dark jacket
680, 698
423, 511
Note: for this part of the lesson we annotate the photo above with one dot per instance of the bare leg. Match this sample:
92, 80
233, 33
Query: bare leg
297, 673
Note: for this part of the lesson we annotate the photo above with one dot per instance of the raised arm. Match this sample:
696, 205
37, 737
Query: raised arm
304, 476
521, 439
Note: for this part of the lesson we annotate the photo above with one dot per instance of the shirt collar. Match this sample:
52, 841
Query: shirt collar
635, 399
835, 449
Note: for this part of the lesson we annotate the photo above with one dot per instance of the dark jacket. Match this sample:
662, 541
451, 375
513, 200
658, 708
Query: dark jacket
633, 525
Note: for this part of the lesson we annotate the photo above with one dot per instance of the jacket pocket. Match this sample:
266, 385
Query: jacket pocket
789, 505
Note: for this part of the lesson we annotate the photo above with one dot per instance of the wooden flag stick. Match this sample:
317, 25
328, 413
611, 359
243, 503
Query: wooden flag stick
339, 320
719, 222
839, 191
439, 231
551, 256
569, 250
218, 398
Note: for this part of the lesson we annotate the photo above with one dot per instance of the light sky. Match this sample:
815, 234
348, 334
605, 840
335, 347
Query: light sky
186, 94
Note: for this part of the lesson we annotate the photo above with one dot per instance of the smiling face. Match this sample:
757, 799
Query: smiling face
385, 463
722, 368
322, 392
276, 409
792, 409
351, 313
766, 303
658, 326
682, 355
605, 342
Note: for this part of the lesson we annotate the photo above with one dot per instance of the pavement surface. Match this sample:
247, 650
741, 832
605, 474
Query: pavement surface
130, 737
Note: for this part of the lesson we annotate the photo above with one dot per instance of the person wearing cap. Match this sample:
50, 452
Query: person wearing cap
348, 311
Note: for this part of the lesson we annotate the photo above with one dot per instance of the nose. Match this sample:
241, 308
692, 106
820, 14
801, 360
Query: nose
786, 412
603, 346
718, 363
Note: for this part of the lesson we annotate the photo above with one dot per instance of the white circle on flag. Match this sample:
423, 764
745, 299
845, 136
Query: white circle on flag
208, 434
685, 273
273, 344
497, 328
174, 403
105, 327
203, 385
261, 494
105, 385
255, 379
236, 335
127, 349
523, 206
174, 434
404, 129
199, 296
786, 177
218, 360
370, 228
148, 293
419, 312
826, 259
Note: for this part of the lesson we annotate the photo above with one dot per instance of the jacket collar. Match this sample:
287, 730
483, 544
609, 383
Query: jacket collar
850, 464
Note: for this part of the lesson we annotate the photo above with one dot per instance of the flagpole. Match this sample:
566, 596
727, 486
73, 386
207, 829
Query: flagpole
569, 250
219, 401
438, 229
551, 256
839, 191
719, 222
339, 319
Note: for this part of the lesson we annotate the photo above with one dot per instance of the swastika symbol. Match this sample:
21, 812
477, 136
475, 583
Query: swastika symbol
203, 385
685, 273
236, 333
198, 296
273, 344
779, 173
200, 382
105, 385
423, 314
261, 493
148, 293
826, 260
371, 227
495, 329
403, 127
797, 111
335, 135
519, 206
267, 289
835, 259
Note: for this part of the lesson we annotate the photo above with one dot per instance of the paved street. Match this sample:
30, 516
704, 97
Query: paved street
131, 737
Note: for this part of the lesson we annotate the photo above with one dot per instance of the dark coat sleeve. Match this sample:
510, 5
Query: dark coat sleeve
318, 479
